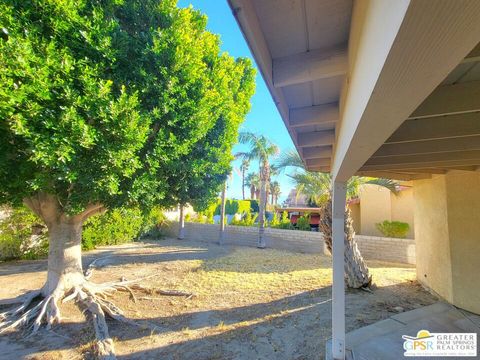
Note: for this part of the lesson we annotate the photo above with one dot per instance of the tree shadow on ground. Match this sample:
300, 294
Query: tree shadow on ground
292, 327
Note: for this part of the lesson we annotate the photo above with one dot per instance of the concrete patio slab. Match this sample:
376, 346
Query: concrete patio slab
383, 340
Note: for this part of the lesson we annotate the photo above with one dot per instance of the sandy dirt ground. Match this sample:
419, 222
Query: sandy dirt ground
247, 303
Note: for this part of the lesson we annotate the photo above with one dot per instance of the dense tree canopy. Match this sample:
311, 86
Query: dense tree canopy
99, 100
196, 178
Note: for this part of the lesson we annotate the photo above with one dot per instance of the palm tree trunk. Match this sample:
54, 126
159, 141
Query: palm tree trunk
252, 192
222, 214
264, 175
356, 270
243, 184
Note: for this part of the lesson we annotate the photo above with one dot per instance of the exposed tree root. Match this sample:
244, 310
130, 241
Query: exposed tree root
31, 314
93, 298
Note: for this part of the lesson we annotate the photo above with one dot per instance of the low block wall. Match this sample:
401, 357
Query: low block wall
387, 249
371, 247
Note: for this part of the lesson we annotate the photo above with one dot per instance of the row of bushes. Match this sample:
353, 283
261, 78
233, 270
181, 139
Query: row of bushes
394, 229
24, 236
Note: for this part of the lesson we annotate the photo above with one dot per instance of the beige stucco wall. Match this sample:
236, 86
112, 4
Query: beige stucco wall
375, 207
356, 217
402, 209
447, 232
378, 204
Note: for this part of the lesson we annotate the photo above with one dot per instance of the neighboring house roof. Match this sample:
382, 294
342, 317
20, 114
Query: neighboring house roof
294, 199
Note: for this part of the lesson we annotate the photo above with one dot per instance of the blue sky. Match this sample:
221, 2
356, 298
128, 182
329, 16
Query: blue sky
263, 117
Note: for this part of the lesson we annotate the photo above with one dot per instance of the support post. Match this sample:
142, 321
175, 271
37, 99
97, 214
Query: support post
221, 239
338, 256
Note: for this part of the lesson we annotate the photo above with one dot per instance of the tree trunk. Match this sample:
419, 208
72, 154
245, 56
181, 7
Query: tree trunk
64, 256
356, 270
181, 225
222, 215
243, 184
252, 192
264, 175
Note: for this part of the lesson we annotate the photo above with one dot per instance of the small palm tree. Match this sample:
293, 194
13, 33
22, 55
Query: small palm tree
262, 150
317, 188
244, 168
275, 191
252, 181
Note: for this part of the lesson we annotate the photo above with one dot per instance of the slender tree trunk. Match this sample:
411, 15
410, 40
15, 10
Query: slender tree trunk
221, 239
252, 192
356, 270
181, 224
264, 175
243, 183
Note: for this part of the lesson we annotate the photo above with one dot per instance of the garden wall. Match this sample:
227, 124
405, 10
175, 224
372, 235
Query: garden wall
387, 249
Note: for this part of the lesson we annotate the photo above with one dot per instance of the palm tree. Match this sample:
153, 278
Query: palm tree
261, 149
317, 188
244, 168
252, 181
275, 191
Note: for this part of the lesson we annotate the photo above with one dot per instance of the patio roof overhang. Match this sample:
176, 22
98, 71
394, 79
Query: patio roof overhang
374, 88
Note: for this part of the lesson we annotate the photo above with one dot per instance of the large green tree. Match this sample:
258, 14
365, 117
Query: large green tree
99, 101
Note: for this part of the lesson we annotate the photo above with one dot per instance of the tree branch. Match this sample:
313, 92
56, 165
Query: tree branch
91, 210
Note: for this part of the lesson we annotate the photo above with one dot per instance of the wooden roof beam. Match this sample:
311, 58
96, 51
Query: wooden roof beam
317, 152
316, 138
429, 146
425, 158
320, 162
321, 115
450, 99
324, 169
444, 127
393, 175
310, 66
422, 165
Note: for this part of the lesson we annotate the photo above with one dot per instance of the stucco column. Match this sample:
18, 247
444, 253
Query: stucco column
447, 236
338, 287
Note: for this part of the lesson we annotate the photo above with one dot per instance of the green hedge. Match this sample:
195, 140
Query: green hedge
120, 226
232, 207
22, 236
394, 229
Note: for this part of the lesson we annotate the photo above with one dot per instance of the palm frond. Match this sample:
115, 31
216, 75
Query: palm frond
290, 158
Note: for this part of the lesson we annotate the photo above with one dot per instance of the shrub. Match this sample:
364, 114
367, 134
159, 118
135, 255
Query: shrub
395, 229
275, 221
233, 207
247, 220
22, 236
284, 222
303, 222
120, 226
